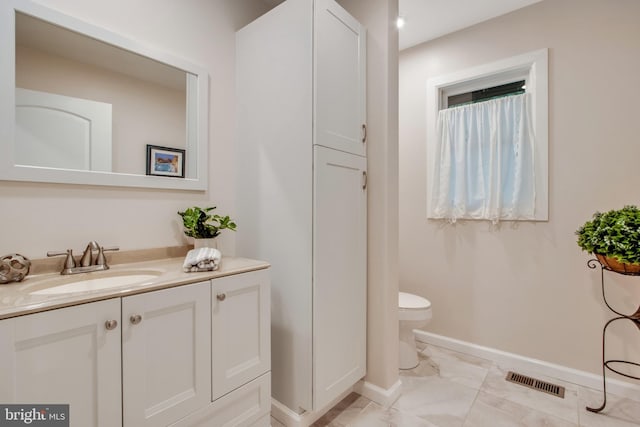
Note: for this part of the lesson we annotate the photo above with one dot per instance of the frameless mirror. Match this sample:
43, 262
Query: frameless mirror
88, 106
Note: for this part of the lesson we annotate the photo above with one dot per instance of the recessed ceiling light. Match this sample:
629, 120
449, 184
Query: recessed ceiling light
400, 22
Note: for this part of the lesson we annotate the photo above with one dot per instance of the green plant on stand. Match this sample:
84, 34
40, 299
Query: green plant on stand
199, 223
614, 238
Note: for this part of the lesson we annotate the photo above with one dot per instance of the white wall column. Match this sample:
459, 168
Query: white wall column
379, 17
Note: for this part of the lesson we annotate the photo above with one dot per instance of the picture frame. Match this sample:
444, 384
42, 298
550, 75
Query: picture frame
165, 161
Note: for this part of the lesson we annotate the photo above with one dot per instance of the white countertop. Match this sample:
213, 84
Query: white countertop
17, 299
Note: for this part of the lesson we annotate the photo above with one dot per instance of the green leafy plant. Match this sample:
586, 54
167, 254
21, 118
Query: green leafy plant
614, 234
200, 224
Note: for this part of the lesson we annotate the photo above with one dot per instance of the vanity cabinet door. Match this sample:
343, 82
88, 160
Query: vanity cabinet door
166, 362
65, 356
240, 330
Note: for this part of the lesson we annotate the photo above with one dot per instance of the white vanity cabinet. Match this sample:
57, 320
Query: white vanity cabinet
146, 359
73, 355
166, 362
65, 356
240, 354
301, 178
240, 331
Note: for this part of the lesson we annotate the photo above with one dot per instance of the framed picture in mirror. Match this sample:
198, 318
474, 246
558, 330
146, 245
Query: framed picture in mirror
165, 161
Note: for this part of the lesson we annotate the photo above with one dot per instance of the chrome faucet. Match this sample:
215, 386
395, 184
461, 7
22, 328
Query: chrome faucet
87, 262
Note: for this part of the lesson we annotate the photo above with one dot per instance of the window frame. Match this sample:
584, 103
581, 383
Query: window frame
532, 67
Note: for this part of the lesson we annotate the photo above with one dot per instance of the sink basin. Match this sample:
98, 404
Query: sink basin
97, 283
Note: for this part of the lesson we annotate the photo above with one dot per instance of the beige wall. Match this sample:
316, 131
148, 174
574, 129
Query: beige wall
525, 288
41, 217
382, 159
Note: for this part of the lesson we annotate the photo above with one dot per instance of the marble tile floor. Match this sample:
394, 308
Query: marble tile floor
449, 389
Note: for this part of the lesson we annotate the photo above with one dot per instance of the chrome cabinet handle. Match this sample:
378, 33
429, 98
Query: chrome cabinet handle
364, 133
135, 319
221, 297
364, 180
111, 324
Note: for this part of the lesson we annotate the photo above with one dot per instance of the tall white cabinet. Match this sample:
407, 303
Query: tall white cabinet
302, 191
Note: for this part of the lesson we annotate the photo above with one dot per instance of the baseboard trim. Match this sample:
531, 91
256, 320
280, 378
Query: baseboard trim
290, 418
285, 415
515, 361
381, 396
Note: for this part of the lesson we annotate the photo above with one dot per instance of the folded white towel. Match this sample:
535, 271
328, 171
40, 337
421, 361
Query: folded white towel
202, 259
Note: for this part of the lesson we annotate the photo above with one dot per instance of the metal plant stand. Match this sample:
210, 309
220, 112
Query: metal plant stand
635, 318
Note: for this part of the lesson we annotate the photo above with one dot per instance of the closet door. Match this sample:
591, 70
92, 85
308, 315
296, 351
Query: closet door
339, 273
339, 84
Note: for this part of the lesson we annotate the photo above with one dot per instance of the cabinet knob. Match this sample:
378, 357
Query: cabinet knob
135, 319
364, 180
221, 297
364, 133
111, 324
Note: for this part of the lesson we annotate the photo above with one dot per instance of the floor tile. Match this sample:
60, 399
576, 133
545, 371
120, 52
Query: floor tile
439, 401
374, 415
344, 412
619, 412
491, 411
496, 385
276, 423
449, 389
463, 369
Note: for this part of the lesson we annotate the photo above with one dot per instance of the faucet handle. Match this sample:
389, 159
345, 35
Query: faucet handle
69, 262
101, 259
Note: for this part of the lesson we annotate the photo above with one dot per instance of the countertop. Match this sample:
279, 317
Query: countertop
17, 299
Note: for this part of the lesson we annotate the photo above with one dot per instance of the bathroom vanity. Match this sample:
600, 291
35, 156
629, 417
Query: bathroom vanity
177, 349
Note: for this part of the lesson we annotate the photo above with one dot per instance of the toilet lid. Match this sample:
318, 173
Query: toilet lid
409, 301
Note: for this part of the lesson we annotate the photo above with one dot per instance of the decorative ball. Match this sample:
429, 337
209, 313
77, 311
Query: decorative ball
14, 268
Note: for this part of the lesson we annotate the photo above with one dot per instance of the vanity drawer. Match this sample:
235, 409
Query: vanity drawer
244, 406
247, 406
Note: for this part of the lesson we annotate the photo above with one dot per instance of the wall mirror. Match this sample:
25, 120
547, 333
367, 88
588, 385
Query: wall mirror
83, 105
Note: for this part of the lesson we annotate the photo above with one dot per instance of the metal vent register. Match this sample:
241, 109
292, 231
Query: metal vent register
536, 384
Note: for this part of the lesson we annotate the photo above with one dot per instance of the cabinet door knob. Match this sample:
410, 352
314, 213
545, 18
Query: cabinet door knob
364, 180
135, 319
364, 133
111, 324
221, 297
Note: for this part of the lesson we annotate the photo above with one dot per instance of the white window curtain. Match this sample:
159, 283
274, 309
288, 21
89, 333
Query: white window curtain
484, 161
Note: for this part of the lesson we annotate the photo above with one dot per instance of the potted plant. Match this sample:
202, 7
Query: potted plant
203, 226
614, 238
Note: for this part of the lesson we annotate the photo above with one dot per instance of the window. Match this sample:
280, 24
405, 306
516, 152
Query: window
485, 94
487, 141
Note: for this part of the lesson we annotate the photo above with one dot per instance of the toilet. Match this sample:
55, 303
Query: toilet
413, 313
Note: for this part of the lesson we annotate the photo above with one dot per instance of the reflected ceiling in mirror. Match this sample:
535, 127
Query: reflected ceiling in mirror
88, 102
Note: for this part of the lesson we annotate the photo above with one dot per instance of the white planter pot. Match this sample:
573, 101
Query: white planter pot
205, 243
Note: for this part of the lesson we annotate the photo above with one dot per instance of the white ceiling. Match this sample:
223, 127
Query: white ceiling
428, 19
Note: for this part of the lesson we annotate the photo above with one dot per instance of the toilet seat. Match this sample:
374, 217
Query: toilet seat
411, 301
413, 307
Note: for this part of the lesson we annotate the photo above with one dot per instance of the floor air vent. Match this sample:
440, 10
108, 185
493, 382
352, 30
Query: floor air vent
535, 384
